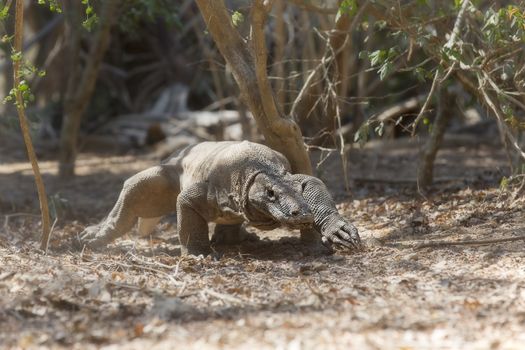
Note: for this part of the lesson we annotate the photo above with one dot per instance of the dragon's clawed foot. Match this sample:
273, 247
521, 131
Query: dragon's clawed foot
92, 237
341, 233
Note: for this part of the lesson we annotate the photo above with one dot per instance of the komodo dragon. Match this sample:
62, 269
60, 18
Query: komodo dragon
226, 183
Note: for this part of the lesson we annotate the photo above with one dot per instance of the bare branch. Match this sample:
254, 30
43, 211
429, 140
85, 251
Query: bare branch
42, 197
457, 25
308, 6
399, 109
427, 101
501, 120
330, 54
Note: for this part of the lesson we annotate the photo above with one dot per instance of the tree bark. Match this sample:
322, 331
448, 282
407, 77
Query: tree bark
42, 197
425, 172
80, 92
249, 70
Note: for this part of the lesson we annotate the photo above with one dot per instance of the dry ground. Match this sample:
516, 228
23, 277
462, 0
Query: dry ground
270, 293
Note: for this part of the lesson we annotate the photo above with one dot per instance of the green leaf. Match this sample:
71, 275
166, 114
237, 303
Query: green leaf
504, 183
237, 18
53, 5
16, 56
420, 74
361, 135
347, 7
379, 130
4, 13
376, 57
23, 86
385, 69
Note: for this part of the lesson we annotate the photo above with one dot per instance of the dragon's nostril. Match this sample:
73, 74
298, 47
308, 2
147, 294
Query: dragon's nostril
295, 212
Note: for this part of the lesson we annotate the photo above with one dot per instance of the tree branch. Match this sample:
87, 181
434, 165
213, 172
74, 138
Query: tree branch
249, 70
308, 6
260, 11
42, 197
334, 47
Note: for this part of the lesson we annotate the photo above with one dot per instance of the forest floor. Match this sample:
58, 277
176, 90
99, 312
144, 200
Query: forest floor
270, 294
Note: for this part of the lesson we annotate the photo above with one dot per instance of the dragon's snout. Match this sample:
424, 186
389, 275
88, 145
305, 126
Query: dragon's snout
298, 218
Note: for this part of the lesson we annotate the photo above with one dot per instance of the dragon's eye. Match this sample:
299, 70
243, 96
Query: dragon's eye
270, 193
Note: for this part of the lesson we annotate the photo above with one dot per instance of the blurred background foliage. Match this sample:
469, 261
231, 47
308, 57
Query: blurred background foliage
346, 70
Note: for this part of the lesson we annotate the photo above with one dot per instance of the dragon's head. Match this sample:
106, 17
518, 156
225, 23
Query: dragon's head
273, 201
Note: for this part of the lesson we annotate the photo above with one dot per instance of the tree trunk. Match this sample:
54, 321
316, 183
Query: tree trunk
80, 92
425, 172
249, 70
17, 68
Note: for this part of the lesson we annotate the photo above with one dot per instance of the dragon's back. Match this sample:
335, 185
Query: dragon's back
226, 161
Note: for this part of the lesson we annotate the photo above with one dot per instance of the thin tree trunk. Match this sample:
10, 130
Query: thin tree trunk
425, 173
42, 197
77, 99
249, 70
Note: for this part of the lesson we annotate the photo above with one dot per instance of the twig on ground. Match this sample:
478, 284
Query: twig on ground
436, 244
135, 287
225, 297
49, 235
314, 291
146, 268
519, 191
7, 275
136, 259
180, 293
8, 216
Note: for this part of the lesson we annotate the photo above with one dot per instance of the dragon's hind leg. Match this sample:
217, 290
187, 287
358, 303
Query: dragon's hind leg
152, 193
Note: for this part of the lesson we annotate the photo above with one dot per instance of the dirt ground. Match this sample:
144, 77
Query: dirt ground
270, 293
